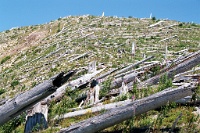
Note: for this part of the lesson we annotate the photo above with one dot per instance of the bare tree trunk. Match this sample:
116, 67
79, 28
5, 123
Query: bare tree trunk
183, 66
27, 99
137, 107
79, 57
133, 65
94, 109
116, 83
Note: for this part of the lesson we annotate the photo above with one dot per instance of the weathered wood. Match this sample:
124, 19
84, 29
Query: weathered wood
27, 99
142, 68
133, 65
104, 75
80, 56
119, 114
36, 116
94, 109
74, 84
153, 25
83, 79
116, 83
183, 66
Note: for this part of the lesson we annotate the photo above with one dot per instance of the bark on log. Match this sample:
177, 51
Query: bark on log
25, 100
119, 114
133, 65
37, 116
57, 96
185, 65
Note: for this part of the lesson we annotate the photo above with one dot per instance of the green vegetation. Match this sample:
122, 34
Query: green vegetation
2, 91
5, 59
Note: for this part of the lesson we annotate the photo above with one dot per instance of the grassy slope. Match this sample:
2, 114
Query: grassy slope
24, 60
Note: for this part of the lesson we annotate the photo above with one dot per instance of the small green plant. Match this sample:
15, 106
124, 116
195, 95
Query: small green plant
164, 83
105, 89
14, 83
5, 59
2, 91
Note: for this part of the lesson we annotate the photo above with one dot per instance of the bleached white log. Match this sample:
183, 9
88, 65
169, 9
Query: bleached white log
56, 96
119, 114
94, 109
153, 25
168, 38
84, 79
22, 102
80, 56
116, 83
181, 67
133, 65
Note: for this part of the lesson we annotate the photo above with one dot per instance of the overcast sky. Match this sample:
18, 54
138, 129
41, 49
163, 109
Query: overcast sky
17, 13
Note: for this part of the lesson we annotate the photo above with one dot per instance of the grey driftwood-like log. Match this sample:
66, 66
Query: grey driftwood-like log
116, 83
119, 114
133, 65
74, 84
104, 75
183, 66
94, 109
22, 102
80, 56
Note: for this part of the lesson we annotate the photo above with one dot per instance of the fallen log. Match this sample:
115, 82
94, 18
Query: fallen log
74, 84
119, 114
22, 102
93, 109
133, 65
145, 67
104, 75
183, 66
83, 79
127, 78
80, 56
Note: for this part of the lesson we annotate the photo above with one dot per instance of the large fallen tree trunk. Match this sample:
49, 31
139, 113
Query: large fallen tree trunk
94, 109
188, 100
183, 66
74, 84
137, 107
22, 102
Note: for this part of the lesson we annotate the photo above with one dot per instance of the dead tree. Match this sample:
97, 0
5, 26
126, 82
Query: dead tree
127, 78
80, 56
137, 107
22, 102
133, 65
181, 67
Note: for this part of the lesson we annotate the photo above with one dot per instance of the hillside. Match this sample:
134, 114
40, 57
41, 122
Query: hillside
30, 55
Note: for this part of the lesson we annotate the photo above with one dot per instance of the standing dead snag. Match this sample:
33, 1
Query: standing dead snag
137, 107
22, 102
